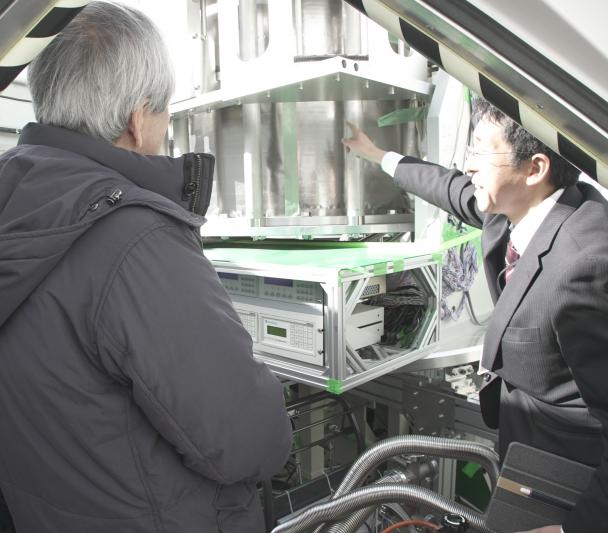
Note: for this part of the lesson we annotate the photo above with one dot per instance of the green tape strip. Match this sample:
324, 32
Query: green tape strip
451, 237
334, 386
347, 272
473, 234
398, 265
470, 469
400, 116
467, 95
380, 269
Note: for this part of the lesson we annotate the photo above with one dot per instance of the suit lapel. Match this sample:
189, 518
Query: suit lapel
526, 271
494, 243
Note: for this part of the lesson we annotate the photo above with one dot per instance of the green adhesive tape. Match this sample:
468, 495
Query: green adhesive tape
470, 469
401, 116
334, 386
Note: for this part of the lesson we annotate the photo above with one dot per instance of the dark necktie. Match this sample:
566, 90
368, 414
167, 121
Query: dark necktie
511, 259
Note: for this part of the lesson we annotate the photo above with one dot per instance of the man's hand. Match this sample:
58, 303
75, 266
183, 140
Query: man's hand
362, 146
546, 529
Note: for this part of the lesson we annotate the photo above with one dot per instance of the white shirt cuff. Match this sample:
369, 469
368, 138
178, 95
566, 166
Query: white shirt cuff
390, 161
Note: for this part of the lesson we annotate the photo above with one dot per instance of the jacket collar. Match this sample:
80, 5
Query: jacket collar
494, 244
526, 271
522, 233
169, 177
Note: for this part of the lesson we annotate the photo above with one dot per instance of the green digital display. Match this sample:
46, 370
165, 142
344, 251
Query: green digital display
277, 332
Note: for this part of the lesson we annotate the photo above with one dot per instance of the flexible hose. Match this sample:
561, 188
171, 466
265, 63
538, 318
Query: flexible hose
412, 474
352, 522
417, 444
376, 494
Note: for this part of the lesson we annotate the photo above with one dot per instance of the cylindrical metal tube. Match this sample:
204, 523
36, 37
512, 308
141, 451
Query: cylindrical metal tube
447, 448
376, 494
409, 476
418, 444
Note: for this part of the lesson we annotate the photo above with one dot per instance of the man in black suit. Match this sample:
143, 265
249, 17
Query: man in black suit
546, 261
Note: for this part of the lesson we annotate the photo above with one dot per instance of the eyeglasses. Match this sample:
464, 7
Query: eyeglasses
470, 152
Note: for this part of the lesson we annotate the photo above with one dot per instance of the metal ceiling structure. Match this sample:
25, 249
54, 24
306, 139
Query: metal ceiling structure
541, 95
26, 27
552, 103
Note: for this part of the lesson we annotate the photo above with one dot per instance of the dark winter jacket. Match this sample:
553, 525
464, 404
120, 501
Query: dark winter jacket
129, 398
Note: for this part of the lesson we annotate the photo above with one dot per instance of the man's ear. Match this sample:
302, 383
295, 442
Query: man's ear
540, 169
136, 126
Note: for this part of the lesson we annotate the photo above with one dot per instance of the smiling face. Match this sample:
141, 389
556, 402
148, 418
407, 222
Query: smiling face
500, 186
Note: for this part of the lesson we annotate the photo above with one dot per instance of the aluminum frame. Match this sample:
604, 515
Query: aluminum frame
343, 369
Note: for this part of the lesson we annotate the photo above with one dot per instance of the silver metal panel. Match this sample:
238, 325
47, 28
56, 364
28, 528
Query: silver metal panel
235, 228
277, 118
326, 28
18, 18
204, 31
319, 378
335, 79
264, 58
544, 97
281, 169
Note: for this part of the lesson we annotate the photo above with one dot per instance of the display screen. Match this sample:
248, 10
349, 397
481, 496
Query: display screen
227, 275
279, 281
277, 332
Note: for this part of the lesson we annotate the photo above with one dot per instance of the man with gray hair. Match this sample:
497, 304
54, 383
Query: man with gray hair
129, 397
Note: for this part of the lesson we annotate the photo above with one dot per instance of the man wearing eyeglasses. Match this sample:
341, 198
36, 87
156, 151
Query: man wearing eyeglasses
546, 261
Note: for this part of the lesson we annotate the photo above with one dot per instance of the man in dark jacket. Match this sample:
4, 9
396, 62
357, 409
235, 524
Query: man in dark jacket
546, 262
129, 397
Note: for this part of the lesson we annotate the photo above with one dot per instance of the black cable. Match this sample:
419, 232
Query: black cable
15, 99
471, 312
469, 302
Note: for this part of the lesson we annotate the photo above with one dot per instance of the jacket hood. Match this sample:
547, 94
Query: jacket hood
57, 183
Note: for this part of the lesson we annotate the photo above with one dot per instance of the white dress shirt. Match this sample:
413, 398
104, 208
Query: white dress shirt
522, 233
389, 163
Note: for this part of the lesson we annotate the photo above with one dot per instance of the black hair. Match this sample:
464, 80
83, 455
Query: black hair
526, 145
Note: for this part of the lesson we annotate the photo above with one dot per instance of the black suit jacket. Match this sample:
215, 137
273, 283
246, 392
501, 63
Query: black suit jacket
547, 341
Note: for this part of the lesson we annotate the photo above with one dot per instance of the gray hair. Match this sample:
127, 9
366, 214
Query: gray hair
108, 61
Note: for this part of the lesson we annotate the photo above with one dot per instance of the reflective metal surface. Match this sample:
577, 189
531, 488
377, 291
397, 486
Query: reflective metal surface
281, 167
284, 164
510, 67
327, 27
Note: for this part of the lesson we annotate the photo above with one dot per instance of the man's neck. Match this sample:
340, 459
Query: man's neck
534, 201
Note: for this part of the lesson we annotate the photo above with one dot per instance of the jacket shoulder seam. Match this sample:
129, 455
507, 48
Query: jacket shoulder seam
159, 224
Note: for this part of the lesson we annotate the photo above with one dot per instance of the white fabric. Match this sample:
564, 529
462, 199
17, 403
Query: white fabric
390, 161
